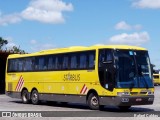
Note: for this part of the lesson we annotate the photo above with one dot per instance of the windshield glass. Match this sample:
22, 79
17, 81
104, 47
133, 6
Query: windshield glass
133, 69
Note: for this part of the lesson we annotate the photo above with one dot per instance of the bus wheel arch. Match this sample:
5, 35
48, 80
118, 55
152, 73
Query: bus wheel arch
25, 96
92, 99
34, 96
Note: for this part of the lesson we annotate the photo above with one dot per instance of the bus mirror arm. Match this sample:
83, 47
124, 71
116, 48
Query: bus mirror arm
107, 62
110, 87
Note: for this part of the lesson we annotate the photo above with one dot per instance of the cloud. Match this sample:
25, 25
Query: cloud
45, 11
130, 39
9, 19
153, 4
137, 27
33, 42
35, 46
122, 25
46, 46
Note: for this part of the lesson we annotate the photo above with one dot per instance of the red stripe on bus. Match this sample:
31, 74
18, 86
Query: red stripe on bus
85, 90
82, 88
18, 83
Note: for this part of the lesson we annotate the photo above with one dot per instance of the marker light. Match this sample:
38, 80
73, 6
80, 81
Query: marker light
123, 93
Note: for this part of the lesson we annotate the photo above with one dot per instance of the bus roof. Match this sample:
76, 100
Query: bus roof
77, 48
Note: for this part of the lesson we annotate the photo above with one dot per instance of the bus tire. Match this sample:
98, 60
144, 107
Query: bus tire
64, 103
25, 97
93, 101
35, 97
101, 107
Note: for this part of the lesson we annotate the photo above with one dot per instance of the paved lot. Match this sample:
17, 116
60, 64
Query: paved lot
77, 110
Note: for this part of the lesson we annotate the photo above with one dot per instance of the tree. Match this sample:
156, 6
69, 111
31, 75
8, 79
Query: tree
2, 42
17, 49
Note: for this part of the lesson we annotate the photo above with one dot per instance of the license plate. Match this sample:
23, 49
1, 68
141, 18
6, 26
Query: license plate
139, 99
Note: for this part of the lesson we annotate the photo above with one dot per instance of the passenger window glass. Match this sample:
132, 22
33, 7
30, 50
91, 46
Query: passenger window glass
20, 65
16, 65
56, 63
12, 65
50, 63
65, 62
101, 57
73, 62
105, 55
83, 61
41, 64
27, 64
91, 60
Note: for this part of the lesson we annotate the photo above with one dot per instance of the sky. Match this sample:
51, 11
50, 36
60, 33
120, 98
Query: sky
35, 25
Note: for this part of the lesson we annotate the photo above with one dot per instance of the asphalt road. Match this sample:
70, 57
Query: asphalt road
17, 109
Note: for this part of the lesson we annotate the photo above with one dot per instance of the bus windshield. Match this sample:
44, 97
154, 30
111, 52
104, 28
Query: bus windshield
133, 69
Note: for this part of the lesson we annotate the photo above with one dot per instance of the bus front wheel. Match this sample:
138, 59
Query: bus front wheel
35, 97
93, 101
25, 97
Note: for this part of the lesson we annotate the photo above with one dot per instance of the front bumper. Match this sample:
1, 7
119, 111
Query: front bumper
13, 94
126, 100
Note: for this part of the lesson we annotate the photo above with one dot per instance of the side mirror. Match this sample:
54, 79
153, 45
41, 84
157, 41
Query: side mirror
110, 87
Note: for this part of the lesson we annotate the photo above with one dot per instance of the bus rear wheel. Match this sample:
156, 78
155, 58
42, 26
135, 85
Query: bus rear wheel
93, 101
25, 97
35, 97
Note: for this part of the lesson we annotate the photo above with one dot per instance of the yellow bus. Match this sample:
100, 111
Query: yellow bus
156, 78
100, 75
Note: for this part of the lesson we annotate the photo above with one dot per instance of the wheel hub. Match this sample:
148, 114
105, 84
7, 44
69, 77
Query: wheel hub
35, 97
94, 101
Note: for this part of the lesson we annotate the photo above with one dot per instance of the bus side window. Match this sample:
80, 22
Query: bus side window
91, 60
73, 61
101, 57
56, 63
83, 61
27, 63
41, 63
11, 65
65, 63
16, 64
50, 63
20, 65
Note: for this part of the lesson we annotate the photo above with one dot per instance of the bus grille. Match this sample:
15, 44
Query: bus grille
134, 93
143, 93
137, 93
156, 76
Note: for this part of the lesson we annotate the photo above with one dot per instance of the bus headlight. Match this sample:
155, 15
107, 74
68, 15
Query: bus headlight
150, 99
123, 93
150, 93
